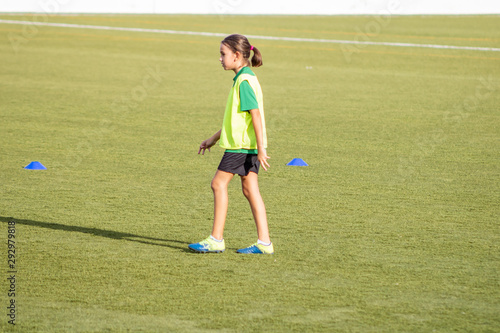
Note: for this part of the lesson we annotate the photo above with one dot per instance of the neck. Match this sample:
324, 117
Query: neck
237, 70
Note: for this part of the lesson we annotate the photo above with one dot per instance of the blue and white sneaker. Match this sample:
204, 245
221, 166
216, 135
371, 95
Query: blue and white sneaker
208, 245
258, 249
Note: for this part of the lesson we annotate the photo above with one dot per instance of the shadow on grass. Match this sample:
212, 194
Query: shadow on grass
101, 233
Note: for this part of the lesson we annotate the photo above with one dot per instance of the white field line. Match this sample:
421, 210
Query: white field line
216, 34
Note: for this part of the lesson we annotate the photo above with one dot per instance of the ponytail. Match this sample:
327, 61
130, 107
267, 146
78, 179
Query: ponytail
239, 43
257, 57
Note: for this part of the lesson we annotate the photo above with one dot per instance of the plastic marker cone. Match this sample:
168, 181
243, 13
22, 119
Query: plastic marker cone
35, 166
297, 162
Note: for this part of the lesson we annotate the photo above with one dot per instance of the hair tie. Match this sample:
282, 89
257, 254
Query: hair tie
251, 47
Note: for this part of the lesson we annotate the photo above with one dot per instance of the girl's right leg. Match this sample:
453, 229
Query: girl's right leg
250, 187
220, 183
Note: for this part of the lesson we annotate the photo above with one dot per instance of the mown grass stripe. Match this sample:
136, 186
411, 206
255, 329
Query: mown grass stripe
288, 39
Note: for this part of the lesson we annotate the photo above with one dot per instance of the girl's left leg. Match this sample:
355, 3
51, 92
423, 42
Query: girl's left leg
250, 187
219, 187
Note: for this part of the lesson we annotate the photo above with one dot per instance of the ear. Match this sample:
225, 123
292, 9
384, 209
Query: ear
237, 56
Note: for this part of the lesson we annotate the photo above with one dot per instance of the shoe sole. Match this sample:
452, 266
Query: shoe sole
252, 253
220, 251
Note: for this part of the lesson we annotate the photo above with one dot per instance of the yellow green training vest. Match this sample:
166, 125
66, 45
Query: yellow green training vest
237, 128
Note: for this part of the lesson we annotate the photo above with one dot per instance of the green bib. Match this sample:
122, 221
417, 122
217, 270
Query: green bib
237, 128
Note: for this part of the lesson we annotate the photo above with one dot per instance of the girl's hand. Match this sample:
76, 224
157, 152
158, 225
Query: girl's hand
209, 142
262, 157
206, 145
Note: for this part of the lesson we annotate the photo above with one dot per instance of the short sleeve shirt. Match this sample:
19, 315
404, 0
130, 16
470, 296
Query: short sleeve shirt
248, 100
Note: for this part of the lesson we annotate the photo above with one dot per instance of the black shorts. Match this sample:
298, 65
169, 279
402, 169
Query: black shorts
239, 163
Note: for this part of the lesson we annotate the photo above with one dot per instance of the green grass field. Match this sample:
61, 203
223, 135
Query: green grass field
394, 226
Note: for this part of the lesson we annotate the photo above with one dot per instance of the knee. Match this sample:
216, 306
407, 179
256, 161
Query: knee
250, 191
217, 185
246, 191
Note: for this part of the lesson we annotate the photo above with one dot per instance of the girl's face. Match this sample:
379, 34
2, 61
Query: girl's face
228, 59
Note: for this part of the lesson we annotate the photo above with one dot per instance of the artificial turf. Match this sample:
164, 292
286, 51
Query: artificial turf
392, 227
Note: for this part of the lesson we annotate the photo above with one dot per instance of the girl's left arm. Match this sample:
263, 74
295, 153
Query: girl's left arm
257, 125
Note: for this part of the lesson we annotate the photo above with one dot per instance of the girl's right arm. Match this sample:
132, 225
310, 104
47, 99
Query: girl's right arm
209, 142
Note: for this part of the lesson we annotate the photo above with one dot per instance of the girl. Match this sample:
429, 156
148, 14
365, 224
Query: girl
243, 135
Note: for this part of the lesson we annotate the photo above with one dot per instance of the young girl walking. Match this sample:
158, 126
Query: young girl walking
243, 136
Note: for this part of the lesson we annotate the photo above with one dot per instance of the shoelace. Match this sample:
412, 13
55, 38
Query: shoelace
207, 243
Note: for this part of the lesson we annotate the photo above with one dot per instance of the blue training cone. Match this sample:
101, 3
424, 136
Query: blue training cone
35, 166
297, 162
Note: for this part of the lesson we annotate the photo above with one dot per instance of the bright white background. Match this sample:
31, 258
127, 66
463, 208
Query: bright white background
323, 7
